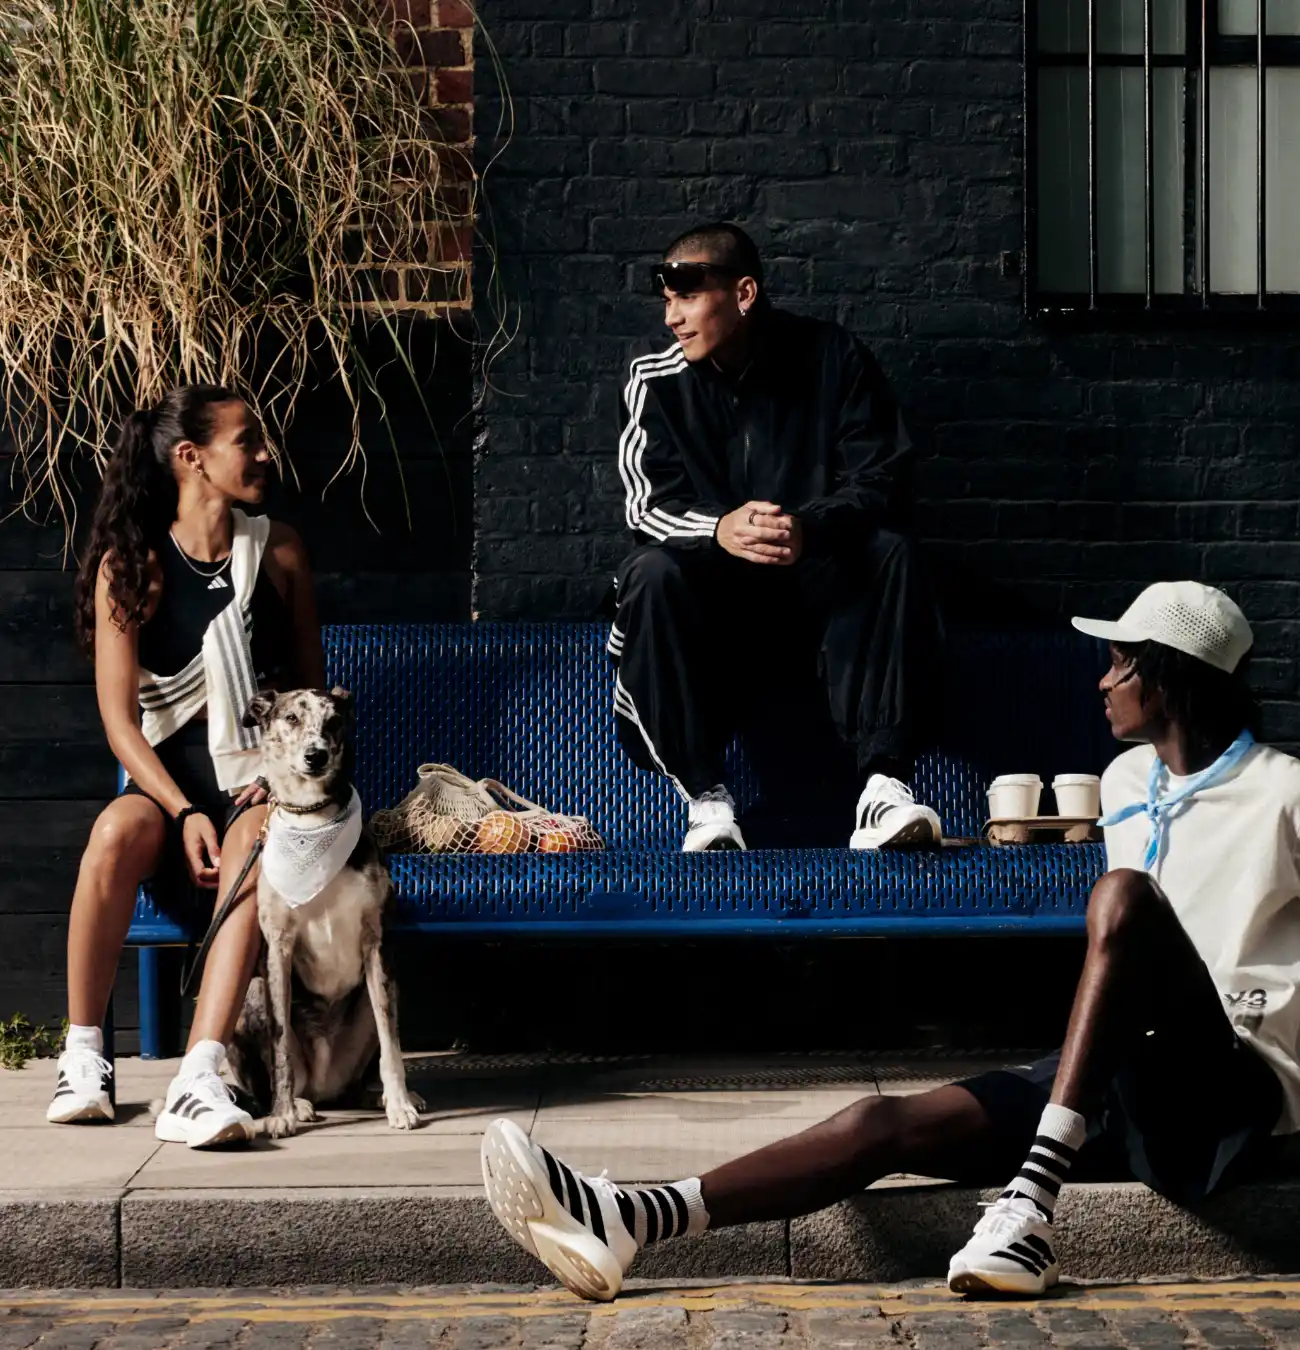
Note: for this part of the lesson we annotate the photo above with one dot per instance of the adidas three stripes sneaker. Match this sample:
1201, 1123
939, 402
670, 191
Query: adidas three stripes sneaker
579, 1227
1010, 1252
890, 817
81, 1092
200, 1111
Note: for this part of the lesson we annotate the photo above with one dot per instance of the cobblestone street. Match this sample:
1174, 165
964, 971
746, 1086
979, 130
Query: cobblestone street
1241, 1315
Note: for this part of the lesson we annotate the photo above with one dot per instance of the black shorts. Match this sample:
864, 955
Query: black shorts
1185, 1115
186, 758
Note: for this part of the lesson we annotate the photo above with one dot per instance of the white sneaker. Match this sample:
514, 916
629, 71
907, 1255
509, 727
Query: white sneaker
1010, 1252
200, 1111
81, 1093
890, 817
711, 823
584, 1241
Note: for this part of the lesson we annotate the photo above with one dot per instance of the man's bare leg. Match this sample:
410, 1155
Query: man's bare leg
944, 1133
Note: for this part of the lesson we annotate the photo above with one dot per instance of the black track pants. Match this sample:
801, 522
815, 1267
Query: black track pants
694, 626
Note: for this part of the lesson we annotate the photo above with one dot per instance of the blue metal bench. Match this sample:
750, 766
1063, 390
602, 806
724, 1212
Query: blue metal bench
531, 704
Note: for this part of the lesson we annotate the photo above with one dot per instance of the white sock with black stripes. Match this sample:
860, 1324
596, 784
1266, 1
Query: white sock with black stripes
659, 1212
649, 1213
1060, 1135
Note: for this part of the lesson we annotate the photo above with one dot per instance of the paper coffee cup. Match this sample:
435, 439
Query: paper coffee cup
1078, 794
1014, 796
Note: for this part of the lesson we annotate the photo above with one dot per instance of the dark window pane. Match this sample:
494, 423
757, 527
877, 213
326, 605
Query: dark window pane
1063, 180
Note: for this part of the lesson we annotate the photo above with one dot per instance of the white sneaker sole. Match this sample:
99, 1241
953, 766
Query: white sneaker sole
80, 1113
714, 839
171, 1129
1002, 1282
520, 1194
916, 829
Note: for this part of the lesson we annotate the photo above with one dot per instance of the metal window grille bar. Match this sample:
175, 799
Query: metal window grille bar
1205, 49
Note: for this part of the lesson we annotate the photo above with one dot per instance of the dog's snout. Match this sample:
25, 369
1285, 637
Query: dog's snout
316, 758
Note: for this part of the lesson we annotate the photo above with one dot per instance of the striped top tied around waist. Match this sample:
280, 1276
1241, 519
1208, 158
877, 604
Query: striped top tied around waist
221, 675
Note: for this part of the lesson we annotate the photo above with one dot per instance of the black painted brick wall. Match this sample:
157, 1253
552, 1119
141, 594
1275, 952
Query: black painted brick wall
875, 148
55, 768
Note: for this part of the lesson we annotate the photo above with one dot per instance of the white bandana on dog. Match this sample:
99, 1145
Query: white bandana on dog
300, 862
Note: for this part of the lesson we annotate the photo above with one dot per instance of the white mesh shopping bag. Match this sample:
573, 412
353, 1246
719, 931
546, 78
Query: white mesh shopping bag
446, 812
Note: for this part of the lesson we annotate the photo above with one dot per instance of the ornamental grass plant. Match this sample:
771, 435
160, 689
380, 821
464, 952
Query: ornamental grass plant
197, 190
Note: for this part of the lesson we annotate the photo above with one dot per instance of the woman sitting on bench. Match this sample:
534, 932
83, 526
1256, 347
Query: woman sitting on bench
188, 607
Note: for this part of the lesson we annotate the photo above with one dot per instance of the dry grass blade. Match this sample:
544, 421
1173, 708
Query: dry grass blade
184, 183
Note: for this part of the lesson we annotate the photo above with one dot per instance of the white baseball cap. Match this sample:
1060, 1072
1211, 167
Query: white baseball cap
1184, 615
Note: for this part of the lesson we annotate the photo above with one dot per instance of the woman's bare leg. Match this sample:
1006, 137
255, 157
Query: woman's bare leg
943, 1133
232, 958
126, 844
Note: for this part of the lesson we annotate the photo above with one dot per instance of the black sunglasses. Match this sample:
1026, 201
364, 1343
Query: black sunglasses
684, 278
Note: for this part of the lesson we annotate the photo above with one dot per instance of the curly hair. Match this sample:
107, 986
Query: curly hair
137, 503
1196, 694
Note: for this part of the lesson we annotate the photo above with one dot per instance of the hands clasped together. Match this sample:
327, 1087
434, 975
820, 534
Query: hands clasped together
760, 532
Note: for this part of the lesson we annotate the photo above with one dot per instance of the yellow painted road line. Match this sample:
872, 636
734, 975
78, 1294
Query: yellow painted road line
1238, 1295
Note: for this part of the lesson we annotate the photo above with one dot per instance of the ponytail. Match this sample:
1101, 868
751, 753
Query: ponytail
137, 504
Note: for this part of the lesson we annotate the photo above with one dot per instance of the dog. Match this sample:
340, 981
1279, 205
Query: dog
323, 1001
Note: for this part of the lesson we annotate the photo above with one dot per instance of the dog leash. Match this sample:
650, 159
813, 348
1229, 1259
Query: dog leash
193, 963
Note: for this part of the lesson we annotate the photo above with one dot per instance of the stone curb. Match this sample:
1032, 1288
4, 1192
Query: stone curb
416, 1235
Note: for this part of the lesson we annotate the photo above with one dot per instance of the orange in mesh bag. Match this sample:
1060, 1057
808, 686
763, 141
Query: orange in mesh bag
447, 812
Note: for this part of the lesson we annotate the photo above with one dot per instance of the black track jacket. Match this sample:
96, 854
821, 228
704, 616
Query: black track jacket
811, 425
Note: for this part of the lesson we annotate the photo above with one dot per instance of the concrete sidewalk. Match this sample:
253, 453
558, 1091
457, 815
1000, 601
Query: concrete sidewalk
349, 1201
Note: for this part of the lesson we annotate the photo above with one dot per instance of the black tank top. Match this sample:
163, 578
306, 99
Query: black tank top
193, 594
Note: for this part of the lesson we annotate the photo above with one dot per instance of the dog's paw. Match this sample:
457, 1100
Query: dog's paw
418, 1102
402, 1114
277, 1127
304, 1110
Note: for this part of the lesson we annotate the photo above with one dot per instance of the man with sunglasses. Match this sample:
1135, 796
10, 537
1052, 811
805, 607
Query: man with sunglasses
1181, 1061
766, 470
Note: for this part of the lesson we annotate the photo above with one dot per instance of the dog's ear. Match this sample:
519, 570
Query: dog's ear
345, 704
259, 711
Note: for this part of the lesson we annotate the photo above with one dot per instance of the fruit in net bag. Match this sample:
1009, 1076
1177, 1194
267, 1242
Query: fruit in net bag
502, 832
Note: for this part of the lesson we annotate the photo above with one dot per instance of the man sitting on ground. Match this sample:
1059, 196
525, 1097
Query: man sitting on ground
1181, 1054
765, 465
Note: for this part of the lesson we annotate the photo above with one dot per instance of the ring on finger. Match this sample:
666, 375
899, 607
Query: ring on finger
752, 514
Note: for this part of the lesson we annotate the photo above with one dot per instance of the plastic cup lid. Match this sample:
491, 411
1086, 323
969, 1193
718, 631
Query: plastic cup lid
1016, 780
1075, 780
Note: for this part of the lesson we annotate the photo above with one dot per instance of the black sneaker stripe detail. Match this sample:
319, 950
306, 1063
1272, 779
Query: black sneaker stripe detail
1067, 1154
627, 1208
63, 1079
679, 1204
178, 1106
1042, 1248
1030, 1266
63, 1092
575, 1196
666, 1212
651, 1217
553, 1173
593, 1209
1021, 1249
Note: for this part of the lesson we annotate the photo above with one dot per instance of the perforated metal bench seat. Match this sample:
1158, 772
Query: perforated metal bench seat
531, 704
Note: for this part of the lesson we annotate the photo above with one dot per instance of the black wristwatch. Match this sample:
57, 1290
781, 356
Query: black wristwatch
191, 810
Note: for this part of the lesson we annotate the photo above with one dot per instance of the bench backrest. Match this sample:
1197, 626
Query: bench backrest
532, 705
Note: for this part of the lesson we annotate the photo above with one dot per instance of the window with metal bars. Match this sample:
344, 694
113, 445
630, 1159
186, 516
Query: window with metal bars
1142, 193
